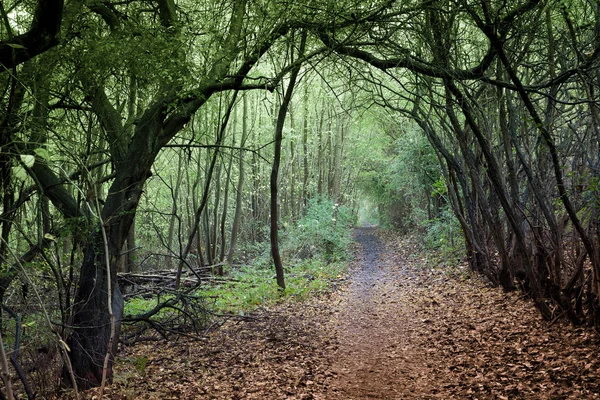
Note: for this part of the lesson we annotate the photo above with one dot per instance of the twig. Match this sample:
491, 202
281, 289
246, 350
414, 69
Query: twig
15, 353
110, 309
5, 371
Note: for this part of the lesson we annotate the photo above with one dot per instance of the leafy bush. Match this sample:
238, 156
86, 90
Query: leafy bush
444, 234
323, 232
314, 248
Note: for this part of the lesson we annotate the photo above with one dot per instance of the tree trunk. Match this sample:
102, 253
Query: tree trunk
320, 153
174, 209
305, 149
275, 170
132, 157
226, 198
92, 331
240, 184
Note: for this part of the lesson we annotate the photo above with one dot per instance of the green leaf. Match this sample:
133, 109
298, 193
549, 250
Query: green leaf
49, 236
42, 153
16, 45
19, 173
28, 160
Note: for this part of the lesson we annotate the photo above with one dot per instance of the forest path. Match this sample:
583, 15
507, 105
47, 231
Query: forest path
396, 327
378, 355
409, 331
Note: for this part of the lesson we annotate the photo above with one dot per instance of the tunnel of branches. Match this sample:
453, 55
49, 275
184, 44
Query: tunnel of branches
180, 135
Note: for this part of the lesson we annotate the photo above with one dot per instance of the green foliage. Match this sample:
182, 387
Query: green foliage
139, 305
444, 234
251, 287
399, 173
140, 364
323, 231
439, 188
368, 213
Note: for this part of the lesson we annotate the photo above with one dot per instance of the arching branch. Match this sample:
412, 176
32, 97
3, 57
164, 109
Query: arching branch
42, 35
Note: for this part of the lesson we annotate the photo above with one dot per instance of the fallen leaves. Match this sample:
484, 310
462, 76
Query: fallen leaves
399, 330
459, 338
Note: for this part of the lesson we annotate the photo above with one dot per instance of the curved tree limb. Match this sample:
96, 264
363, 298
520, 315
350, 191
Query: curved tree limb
42, 35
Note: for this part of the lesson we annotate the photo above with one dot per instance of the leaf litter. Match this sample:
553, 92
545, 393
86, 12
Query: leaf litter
397, 329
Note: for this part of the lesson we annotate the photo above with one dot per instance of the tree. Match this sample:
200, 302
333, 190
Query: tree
503, 94
464, 55
132, 156
283, 109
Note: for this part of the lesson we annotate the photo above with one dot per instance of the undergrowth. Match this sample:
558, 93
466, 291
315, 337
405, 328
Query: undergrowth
315, 251
251, 287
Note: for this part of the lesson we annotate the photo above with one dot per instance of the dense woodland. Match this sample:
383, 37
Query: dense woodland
198, 137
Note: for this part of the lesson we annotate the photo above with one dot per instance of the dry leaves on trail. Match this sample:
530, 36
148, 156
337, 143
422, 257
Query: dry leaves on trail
491, 344
399, 330
278, 353
499, 346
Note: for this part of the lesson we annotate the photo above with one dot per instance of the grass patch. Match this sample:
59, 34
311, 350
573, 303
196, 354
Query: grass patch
252, 287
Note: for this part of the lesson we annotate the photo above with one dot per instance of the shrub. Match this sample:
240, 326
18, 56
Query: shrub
323, 232
444, 234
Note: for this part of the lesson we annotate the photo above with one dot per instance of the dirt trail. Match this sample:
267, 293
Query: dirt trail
378, 355
408, 331
398, 329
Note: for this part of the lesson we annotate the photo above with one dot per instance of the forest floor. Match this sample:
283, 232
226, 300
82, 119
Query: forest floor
395, 328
